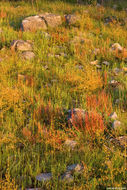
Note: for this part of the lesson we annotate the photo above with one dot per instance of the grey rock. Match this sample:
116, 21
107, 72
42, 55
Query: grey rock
113, 83
76, 114
106, 63
116, 71
113, 115
123, 140
80, 67
116, 124
42, 21
76, 168
28, 55
44, 177
98, 66
21, 45
70, 143
67, 177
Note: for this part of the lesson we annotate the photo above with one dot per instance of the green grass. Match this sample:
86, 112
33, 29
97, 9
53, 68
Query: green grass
58, 85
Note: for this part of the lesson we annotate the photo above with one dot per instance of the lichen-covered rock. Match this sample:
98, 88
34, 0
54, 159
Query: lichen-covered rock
42, 21
21, 45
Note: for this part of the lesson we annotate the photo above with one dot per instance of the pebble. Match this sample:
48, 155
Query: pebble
116, 124
113, 115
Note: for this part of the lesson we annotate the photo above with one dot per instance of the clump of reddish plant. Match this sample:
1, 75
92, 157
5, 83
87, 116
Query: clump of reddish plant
101, 103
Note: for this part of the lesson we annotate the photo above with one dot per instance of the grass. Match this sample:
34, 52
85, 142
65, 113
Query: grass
36, 95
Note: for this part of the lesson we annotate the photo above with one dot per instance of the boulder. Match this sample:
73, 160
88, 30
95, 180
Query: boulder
21, 45
42, 21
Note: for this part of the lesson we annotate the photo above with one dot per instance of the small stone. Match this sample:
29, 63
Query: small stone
70, 143
114, 7
28, 55
98, 66
113, 83
76, 114
117, 47
44, 177
113, 115
79, 67
21, 45
75, 167
106, 63
123, 140
116, 124
96, 51
117, 101
116, 71
67, 177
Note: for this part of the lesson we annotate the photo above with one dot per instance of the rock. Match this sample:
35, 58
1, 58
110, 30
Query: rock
21, 45
110, 19
94, 62
42, 21
113, 115
28, 55
122, 140
44, 177
117, 47
67, 177
116, 71
113, 83
80, 67
76, 114
75, 168
96, 51
106, 63
70, 143
71, 19
115, 6
116, 124
98, 66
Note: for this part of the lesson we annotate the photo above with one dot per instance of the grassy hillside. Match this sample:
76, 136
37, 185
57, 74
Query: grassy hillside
75, 66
